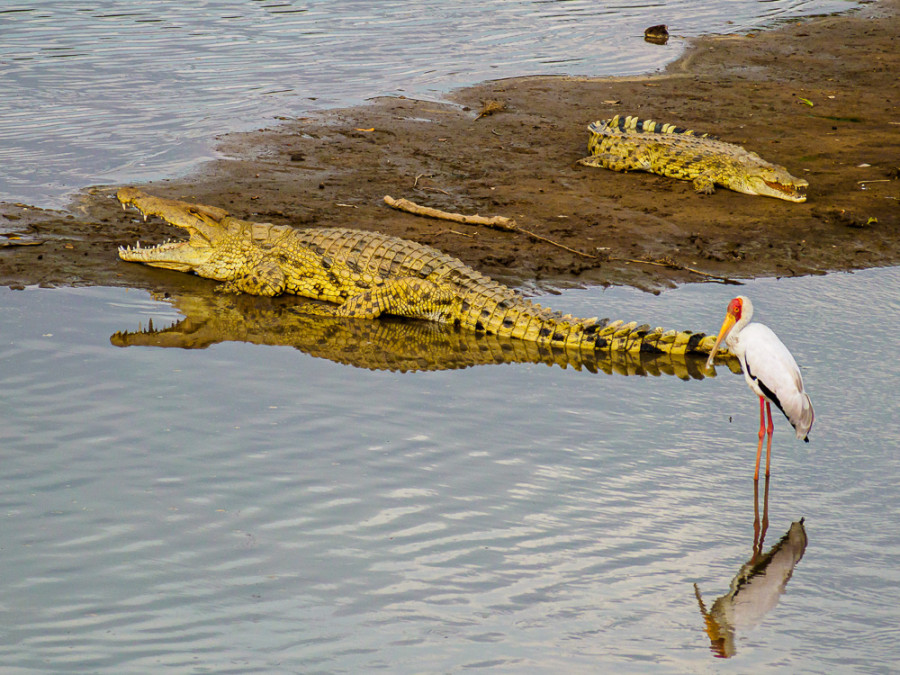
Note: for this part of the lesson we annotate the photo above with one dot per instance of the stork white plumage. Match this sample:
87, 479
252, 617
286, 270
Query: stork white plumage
770, 371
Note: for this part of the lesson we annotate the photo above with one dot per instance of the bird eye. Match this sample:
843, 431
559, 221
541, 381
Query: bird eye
735, 307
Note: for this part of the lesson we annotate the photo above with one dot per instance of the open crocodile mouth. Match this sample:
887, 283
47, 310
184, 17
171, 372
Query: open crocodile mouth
794, 191
169, 254
180, 254
139, 251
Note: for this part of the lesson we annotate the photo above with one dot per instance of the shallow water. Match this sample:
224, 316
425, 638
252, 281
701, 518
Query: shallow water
247, 508
125, 92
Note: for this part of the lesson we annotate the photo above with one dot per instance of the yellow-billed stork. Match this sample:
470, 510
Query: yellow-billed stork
770, 370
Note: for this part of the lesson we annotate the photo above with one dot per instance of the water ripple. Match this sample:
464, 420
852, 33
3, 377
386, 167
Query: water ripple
252, 509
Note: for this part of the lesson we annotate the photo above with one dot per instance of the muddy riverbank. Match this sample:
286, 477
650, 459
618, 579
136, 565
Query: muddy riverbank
819, 96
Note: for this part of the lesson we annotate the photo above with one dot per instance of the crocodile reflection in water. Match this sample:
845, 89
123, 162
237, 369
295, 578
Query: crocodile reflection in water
389, 344
757, 587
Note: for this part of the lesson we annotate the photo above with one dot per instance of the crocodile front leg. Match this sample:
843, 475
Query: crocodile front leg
408, 297
263, 278
704, 184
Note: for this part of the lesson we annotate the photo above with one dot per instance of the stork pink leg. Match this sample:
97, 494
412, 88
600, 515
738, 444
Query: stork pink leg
762, 433
769, 429
760, 527
757, 545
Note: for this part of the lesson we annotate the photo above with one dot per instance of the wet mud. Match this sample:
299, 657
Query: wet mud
819, 96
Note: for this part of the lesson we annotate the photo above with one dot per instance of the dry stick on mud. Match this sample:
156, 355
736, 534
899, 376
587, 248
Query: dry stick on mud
426, 187
510, 225
494, 222
671, 264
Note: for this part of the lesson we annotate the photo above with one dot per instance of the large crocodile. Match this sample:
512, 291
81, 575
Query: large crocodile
370, 274
632, 144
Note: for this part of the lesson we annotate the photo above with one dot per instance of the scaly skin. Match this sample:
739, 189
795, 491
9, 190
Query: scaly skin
369, 274
631, 144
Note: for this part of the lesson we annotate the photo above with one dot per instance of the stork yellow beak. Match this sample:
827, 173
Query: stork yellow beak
727, 325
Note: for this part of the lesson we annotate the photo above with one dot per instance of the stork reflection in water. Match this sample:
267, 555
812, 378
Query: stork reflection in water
757, 587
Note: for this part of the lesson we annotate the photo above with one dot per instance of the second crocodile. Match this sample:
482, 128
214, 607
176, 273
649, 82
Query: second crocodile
632, 144
367, 274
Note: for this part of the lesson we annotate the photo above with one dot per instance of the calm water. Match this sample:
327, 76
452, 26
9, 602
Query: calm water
119, 92
252, 508
247, 508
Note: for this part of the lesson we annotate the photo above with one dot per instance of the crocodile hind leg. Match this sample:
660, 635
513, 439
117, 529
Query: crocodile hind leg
613, 162
408, 297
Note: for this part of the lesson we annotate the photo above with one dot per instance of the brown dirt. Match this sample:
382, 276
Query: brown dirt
335, 168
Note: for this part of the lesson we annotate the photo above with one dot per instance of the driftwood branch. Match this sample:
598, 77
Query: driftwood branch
510, 225
496, 222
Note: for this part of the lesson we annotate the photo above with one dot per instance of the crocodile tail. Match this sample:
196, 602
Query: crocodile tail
631, 124
618, 336
532, 322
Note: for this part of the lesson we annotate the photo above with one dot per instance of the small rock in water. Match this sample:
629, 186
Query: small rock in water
658, 35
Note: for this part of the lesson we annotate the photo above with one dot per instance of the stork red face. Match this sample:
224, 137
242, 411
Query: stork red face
735, 308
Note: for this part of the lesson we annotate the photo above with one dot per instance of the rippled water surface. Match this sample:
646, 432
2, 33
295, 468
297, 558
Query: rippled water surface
111, 91
247, 508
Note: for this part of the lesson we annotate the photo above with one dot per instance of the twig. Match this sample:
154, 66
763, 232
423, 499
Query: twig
496, 222
510, 225
671, 264
425, 187
557, 244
